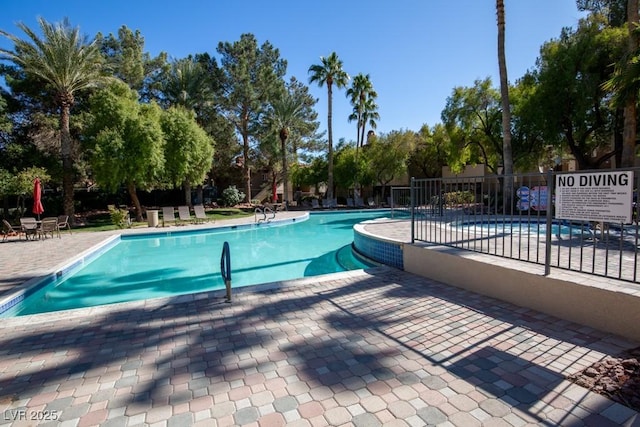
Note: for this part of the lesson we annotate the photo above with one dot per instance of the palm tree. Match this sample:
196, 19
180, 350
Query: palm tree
68, 63
329, 72
370, 116
287, 114
507, 154
362, 97
188, 84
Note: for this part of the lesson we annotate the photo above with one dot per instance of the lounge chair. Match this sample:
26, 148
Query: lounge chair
314, 204
201, 215
63, 222
168, 216
184, 214
29, 227
350, 203
8, 230
49, 225
359, 202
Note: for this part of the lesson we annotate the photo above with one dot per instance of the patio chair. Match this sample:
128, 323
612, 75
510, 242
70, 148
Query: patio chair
8, 230
49, 225
168, 216
350, 203
314, 204
201, 216
184, 214
63, 222
29, 228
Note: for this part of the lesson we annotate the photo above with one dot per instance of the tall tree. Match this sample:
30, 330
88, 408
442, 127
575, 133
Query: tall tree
573, 108
289, 115
188, 149
387, 156
472, 117
329, 72
69, 63
429, 154
625, 82
127, 60
126, 141
187, 84
252, 76
362, 97
507, 155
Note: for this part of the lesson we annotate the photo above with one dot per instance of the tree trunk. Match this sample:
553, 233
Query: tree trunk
285, 170
200, 194
131, 187
186, 185
630, 108
245, 152
330, 153
67, 163
507, 155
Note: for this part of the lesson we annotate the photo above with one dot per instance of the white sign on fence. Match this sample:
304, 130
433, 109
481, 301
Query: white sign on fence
595, 196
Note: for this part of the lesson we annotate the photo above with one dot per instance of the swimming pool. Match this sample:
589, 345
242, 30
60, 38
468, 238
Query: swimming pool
499, 226
146, 266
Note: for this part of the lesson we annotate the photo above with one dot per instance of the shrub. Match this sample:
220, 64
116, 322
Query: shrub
456, 198
231, 196
119, 217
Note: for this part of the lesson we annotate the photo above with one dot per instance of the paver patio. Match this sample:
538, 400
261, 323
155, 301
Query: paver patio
363, 348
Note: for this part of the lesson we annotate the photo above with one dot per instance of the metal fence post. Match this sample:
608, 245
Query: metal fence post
413, 204
547, 241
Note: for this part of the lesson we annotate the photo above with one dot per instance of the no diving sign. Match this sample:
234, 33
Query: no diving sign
595, 196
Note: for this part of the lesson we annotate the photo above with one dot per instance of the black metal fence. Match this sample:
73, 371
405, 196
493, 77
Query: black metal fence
478, 214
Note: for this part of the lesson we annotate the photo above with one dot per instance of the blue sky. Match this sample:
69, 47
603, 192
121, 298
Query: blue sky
416, 51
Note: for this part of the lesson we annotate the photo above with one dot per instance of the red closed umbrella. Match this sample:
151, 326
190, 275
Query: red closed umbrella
37, 196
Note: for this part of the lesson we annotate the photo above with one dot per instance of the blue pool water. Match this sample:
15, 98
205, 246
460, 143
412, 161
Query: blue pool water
149, 266
522, 227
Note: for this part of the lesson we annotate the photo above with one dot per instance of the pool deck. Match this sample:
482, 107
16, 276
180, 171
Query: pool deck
362, 348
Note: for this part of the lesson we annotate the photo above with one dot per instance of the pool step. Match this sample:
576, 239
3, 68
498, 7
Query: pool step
346, 259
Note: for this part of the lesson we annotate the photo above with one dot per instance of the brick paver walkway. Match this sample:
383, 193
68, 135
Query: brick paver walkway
374, 348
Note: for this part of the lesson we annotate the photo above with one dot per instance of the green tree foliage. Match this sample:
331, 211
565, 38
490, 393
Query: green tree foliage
187, 83
473, 118
363, 96
20, 184
350, 169
429, 153
127, 141
231, 196
312, 174
251, 78
329, 72
387, 156
68, 63
127, 60
572, 107
625, 83
305, 136
188, 150
615, 11
5, 121
292, 119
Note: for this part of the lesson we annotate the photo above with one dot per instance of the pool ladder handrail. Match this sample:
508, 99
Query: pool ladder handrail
264, 211
225, 268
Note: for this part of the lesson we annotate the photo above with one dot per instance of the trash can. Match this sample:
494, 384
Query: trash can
152, 218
